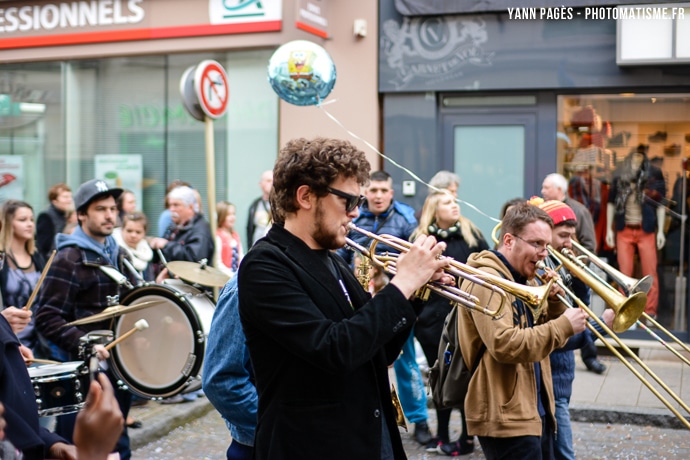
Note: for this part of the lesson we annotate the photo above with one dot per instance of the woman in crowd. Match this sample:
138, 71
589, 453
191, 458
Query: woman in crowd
51, 221
126, 204
441, 218
228, 244
21, 269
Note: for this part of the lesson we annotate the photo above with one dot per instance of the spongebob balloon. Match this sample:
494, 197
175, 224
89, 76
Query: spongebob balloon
301, 73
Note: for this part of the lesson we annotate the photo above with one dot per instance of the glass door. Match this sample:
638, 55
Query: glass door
491, 153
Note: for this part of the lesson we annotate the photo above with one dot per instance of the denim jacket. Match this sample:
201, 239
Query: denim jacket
398, 220
227, 379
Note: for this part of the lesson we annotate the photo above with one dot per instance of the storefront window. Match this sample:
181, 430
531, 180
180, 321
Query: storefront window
123, 119
625, 158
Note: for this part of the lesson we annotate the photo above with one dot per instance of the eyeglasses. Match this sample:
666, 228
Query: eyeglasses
537, 246
351, 201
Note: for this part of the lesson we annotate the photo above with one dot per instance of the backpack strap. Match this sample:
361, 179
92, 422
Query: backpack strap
482, 349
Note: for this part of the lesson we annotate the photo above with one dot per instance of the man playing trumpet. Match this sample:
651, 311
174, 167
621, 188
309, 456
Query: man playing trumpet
510, 403
319, 344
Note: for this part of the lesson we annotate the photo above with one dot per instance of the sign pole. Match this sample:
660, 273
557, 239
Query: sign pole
210, 175
205, 93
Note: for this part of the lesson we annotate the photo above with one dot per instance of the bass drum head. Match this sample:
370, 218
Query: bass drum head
158, 362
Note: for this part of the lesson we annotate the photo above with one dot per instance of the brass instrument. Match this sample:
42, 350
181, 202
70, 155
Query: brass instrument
578, 271
364, 276
399, 414
534, 295
494, 233
629, 284
628, 309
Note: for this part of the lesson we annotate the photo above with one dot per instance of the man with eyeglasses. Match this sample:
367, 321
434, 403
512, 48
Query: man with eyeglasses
381, 214
320, 346
510, 403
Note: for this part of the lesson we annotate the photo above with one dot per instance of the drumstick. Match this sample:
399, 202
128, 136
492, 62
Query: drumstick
42, 361
40, 281
138, 326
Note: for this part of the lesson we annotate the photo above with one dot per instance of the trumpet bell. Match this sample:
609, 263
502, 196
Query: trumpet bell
628, 312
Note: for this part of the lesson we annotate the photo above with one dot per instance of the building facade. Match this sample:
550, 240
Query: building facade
504, 94
93, 89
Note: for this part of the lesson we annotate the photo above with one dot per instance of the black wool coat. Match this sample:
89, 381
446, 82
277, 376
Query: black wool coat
320, 362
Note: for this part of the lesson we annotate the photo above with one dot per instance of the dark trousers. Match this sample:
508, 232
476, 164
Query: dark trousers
238, 451
519, 447
588, 351
65, 423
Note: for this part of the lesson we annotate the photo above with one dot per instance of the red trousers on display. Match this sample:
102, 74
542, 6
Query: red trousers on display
626, 241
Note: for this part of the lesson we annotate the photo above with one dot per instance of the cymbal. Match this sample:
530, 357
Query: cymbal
116, 310
198, 273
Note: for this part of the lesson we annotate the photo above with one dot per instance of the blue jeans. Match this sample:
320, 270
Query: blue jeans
563, 440
411, 389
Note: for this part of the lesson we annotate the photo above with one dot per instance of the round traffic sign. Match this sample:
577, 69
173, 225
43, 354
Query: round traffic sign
189, 99
211, 86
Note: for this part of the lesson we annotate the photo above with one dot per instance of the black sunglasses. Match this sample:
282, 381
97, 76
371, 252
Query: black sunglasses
351, 201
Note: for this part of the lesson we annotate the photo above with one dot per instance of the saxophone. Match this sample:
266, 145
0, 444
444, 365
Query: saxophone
363, 274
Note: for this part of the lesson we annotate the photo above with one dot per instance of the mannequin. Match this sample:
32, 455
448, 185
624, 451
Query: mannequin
636, 191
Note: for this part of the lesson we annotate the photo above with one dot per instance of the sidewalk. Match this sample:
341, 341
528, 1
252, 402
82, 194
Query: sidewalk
160, 419
616, 396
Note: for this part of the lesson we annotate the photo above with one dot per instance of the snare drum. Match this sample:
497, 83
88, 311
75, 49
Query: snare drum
166, 358
60, 388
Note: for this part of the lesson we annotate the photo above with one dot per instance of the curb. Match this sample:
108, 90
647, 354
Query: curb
160, 419
626, 415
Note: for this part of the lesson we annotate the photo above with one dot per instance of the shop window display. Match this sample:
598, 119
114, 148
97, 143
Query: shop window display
601, 140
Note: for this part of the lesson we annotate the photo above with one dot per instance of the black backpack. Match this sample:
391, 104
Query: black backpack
449, 377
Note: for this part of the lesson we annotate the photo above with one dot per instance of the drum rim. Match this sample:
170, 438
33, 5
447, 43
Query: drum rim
140, 388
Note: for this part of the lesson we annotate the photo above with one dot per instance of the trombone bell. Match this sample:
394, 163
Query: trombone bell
628, 312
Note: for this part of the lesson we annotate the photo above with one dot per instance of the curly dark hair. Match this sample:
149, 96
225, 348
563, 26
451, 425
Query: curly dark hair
521, 215
316, 163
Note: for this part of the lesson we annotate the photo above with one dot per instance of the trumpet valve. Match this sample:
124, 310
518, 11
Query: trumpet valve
422, 293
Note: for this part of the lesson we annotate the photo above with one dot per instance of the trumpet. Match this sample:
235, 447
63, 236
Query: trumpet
629, 308
534, 295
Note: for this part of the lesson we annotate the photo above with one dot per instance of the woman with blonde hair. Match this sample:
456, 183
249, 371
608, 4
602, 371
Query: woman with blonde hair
441, 218
228, 243
21, 269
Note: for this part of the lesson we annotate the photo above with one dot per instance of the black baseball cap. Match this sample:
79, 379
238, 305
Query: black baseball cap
90, 190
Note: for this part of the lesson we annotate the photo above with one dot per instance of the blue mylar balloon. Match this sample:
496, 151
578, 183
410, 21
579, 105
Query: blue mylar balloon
301, 73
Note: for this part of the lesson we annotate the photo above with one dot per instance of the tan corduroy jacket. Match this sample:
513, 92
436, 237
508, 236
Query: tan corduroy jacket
502, 395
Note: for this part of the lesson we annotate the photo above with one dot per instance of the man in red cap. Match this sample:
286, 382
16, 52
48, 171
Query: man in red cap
563, 359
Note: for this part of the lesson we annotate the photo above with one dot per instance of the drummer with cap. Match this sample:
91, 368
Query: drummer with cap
75, 287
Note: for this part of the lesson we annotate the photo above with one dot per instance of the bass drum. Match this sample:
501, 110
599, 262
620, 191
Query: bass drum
166, 358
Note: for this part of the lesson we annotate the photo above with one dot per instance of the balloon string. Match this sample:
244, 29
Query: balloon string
412, 174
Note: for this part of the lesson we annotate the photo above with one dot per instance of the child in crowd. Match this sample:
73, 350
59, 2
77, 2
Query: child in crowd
132, 237
228, 243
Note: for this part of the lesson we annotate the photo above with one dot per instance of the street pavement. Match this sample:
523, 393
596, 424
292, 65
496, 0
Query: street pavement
614, 414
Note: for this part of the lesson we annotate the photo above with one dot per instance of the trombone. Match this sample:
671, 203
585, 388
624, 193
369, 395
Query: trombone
629, 308
630, 285
534, 295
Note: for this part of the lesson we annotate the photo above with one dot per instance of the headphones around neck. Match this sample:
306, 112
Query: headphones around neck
444, 233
